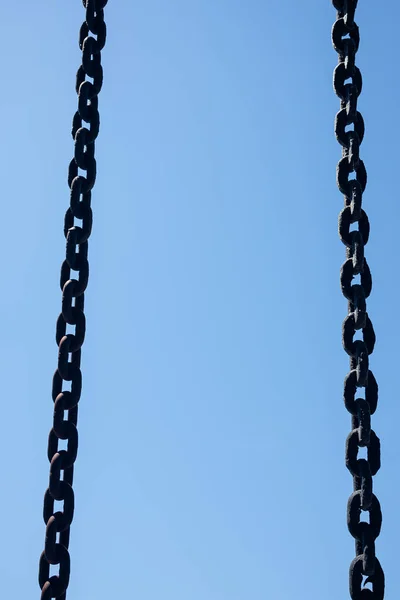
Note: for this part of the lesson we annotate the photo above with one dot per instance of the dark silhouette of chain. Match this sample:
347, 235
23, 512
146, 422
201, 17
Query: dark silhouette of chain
72, 309
365, 569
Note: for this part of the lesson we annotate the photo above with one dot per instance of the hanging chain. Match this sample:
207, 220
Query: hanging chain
72, 309
352, 179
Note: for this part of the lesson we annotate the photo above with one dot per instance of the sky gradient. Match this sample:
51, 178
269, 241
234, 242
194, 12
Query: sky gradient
211, 424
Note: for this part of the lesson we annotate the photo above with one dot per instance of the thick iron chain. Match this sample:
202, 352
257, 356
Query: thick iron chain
352, 180
72, 309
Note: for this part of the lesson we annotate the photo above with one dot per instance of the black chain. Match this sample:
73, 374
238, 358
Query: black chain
349, 129
72, 309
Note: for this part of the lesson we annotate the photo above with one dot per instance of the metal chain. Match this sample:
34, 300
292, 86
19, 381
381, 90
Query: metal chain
365, 569
72, 309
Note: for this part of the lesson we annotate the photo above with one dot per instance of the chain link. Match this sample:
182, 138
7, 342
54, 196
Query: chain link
72, 308
354, 232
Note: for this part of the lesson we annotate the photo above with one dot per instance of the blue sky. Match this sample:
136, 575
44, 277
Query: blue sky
212, 427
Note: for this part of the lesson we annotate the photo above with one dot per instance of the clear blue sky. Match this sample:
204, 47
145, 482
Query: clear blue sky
212, 427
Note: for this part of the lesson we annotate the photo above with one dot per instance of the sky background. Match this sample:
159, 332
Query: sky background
211, 424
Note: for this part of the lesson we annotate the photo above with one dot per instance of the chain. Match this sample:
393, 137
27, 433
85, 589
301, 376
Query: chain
72, 309
365, 569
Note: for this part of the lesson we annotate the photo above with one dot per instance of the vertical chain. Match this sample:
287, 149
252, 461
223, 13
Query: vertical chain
365, 569
68, 371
